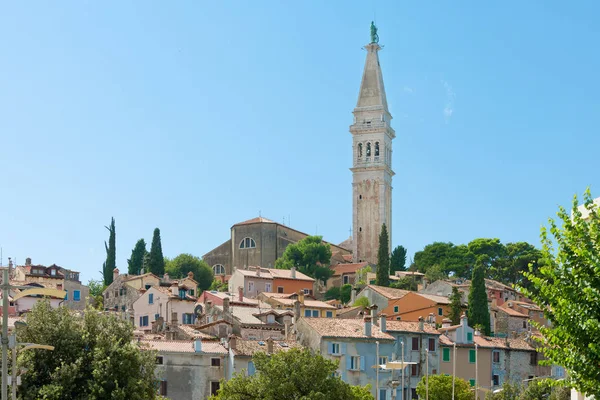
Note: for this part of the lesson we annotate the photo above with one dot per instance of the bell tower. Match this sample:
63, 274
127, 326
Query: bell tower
372, 173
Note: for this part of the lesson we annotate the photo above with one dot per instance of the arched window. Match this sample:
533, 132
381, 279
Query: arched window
247, 243
219, 269
376, 149
368, 149
359, 150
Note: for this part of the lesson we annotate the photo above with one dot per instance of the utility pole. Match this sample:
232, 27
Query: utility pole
453, 368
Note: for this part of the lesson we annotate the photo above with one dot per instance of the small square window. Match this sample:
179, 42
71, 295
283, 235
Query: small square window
496, 380
315, 313
159, 360
329, 314
335, 348
396, 309
215, 362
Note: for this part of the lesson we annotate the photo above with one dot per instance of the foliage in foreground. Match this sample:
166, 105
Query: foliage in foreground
567, 286
293, 374
541, 389
94, 357
440, 388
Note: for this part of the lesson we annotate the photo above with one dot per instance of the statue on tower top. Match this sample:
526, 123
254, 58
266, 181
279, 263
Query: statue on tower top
374, 35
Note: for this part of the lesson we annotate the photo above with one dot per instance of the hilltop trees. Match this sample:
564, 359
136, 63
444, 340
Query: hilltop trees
383, 259
111, 254
398, 259
567, 287
136, 262
156, 261
95, 357
310, 256
479, 314
180, 266
292, 374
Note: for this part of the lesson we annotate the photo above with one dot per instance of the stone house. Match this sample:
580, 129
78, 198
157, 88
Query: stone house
309, 307
359, 345
505, 320
381, 295
238, 299
126, 289
258, 241
164, 303
534, 312
55, 277
255, 280
251, 323
188, 369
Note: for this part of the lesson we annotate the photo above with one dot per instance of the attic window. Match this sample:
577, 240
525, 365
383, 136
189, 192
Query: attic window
247, 243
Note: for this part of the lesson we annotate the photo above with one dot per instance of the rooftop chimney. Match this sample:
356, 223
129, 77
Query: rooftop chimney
367, 321
383, 323
232, 341
293, 272
175, 289
301, 296
198, 345
374, 314
421, 323
269, 345
28, 262
115, 274
166, 277
477, 332
226, 305
190, 275
241, 294
431, 318
463, 319
446, 323
258, 271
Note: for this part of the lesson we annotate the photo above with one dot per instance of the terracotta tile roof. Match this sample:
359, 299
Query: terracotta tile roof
410, 326
445, 341
272, 273
249, 347
182, 346
347, 310
193, 333
437, 299
133, 277
256, 221
408, 273
390, 293
524, 304
233, 298
340, 269
510, 311
450, 328
491, 343
307, 303
168, 292
346, 257
278, 295
344, 328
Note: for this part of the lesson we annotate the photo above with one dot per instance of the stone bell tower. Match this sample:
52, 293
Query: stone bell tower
372, 173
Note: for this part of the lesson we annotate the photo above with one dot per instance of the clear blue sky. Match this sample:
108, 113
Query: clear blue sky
194, 115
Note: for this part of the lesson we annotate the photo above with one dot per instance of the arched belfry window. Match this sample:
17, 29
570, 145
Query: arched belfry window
247, 243
219, 269
368, 149
359, 150
376, 149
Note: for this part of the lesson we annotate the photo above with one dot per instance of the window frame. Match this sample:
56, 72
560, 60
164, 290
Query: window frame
354, 363
431, 344
329, 314
268, 287
496, 356
247, 243
150, 298
382, 361
440, 311
316, 314
396, 309
76, 295
417, 341
218, 269
472, 356
215, 362
469, 337
495, 380
446, 354
159, 360
334, 347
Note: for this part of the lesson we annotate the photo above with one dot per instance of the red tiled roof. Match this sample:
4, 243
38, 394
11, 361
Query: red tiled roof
410, 326
249, 347
346, 257
437, 299
511, 312
344, 328
347, 268
256, 220
491, 343
390, 293
133, 277
307, 303
182, 346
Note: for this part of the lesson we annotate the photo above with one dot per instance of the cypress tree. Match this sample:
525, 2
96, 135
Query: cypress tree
398, 259
156, 261
136, 262
455, 306
479, 313
383, 258
111, 254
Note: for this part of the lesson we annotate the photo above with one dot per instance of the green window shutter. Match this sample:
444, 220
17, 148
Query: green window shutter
472, 356
469, 336
446, 354
472, 382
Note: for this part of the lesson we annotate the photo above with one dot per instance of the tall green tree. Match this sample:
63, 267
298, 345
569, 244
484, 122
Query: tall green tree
567, 287
311, 256
453, 260
435, 273
345, 293
440, 388
479, 313
180, 266
94, 357
518, 257
292, 374
111, 254
455, 306
156, 262
383, 259
136, 262
398, 259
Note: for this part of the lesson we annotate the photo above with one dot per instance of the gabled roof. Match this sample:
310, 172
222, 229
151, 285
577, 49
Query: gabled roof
307, 303
410, 326
182, 346
510, 311
436, 298
390, 293
256, 220
341, 269
273, 273
134, 277
344, 328
249, 347
491, 343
